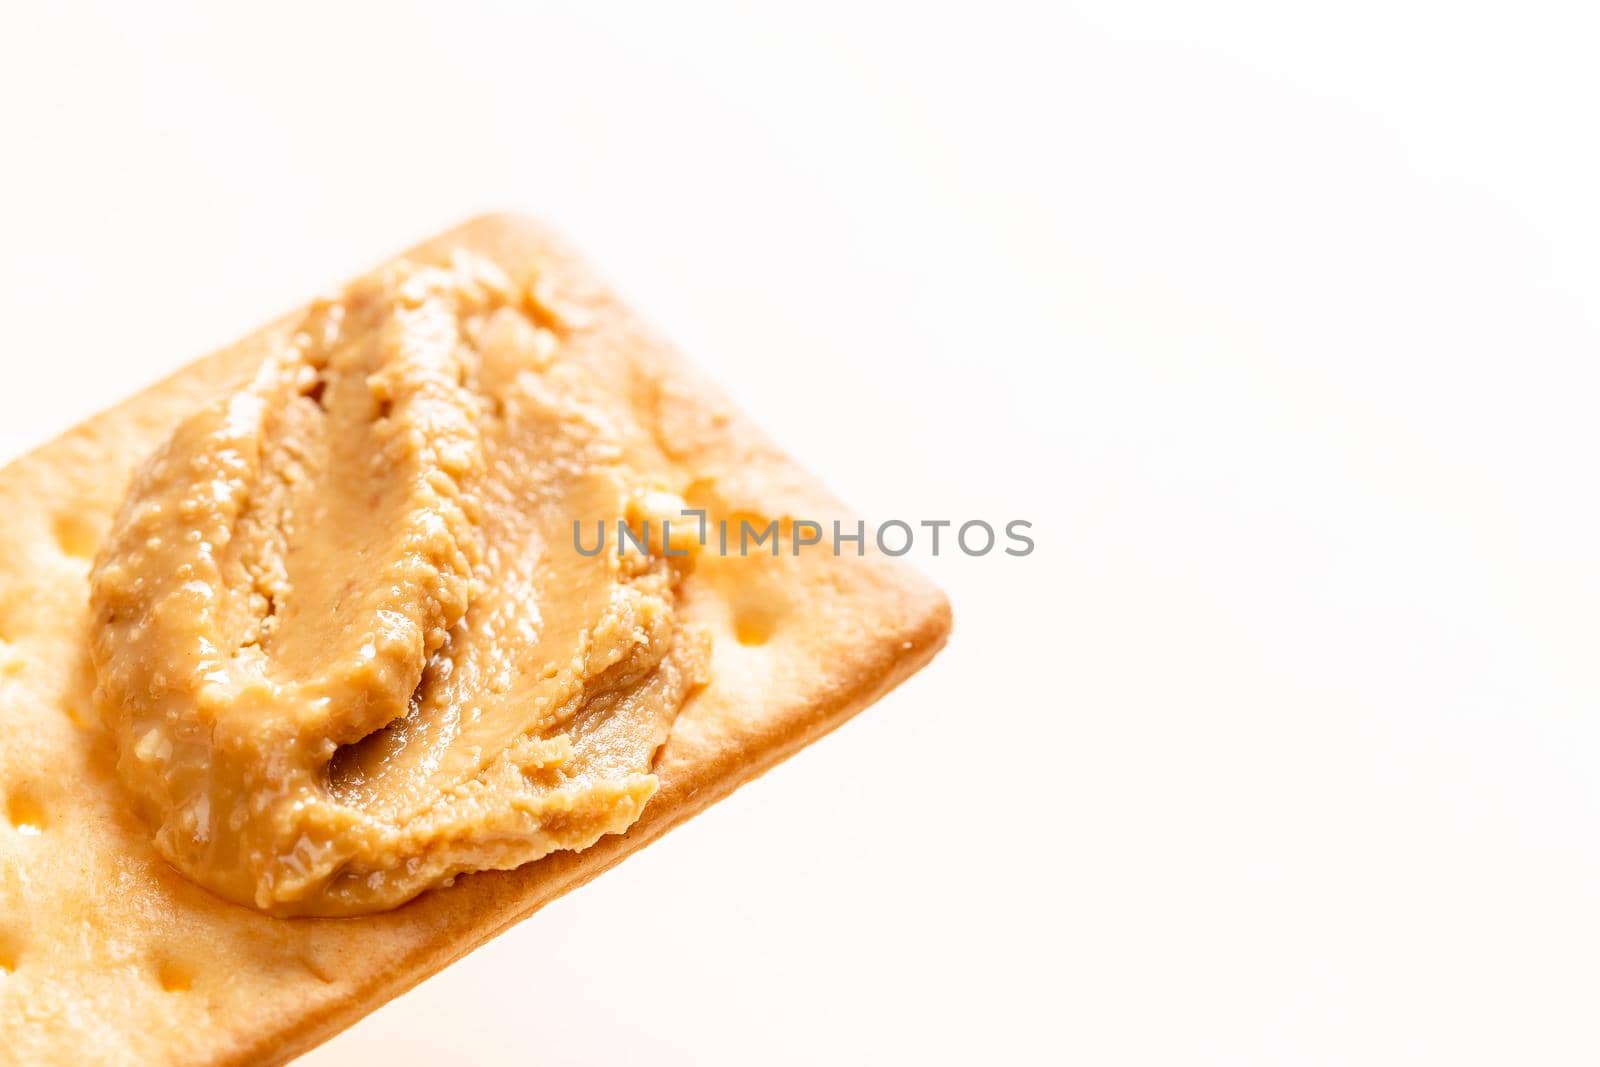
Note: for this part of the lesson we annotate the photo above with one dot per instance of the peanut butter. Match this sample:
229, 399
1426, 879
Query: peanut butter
343, 637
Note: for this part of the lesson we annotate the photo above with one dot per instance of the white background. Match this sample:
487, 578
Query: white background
1279, 322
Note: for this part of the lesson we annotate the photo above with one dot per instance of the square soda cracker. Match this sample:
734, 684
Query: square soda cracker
109, 955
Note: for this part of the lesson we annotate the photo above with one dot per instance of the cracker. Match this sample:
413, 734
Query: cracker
108, 955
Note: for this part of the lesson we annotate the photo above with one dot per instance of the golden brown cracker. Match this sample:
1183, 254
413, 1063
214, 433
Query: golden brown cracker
108, 955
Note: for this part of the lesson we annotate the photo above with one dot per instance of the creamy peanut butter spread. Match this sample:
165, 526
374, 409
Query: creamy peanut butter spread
342, 633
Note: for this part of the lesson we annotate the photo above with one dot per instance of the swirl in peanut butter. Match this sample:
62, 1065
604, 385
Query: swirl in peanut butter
342, 637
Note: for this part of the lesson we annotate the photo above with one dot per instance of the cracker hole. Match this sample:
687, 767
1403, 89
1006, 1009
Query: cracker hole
10, 952
76, 537
25, 813
174, 976
753, 628
11, 662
